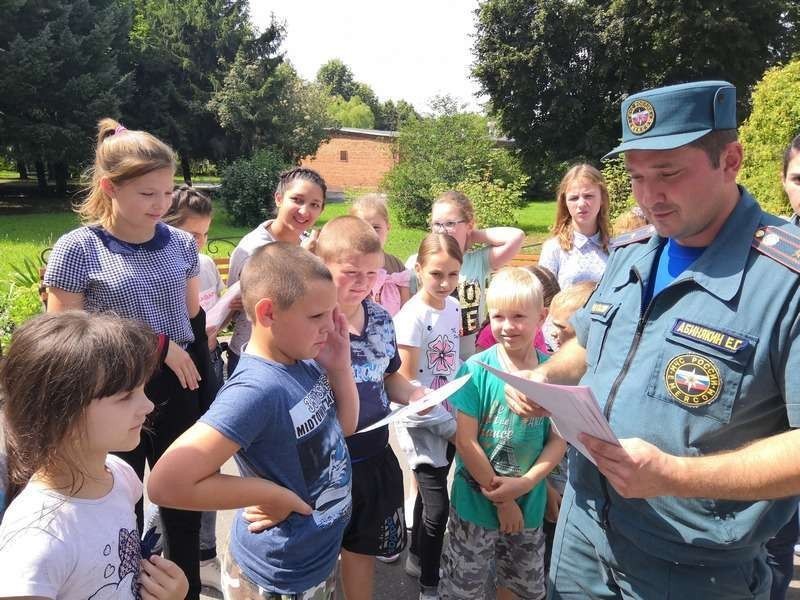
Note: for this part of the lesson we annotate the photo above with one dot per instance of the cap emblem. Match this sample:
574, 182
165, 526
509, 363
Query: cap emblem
641, 117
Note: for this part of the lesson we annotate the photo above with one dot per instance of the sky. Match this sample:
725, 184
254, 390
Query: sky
409, 50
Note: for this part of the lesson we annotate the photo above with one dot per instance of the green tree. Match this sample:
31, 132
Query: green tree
337, 78
368, 97
556, 70
59, 72
393, 116
351, 113
773, 122
448, 151
182, 52
259, 106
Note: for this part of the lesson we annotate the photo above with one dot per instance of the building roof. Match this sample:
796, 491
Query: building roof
499, 141
369, 132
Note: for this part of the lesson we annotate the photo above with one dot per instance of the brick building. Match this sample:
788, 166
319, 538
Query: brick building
354, 158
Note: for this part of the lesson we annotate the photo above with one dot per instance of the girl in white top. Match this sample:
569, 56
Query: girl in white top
578, 249
427, 329
70, 530
484, 250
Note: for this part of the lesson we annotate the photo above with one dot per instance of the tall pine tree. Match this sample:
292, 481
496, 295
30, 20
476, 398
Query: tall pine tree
59, 72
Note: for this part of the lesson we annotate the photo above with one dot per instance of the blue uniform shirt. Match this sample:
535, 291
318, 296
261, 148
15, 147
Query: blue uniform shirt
703, 368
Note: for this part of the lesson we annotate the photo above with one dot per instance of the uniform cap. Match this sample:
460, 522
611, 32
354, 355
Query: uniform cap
673, 116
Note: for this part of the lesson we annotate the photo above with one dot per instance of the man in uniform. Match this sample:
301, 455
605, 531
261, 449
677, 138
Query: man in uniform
688, 342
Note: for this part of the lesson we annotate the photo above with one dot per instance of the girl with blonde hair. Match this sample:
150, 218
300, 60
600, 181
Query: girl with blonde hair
578, 249
126, 261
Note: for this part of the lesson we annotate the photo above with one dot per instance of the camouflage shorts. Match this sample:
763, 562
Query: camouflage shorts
237, 586
472, 550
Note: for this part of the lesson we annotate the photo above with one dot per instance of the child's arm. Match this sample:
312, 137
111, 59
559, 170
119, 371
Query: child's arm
405, 294
504, 489
335, 359
553, 506
400, 390
472, 455
60, 300
409, 355
187, 477
503, 242
162, 579
193, 296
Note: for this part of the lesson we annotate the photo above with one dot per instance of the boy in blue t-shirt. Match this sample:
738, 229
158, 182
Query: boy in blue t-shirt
499, 495
284, 418
351, 249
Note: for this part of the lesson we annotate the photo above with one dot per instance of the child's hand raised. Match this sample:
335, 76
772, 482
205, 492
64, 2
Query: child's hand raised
281, 504
510, 517
506, 489
162, 579
335, 354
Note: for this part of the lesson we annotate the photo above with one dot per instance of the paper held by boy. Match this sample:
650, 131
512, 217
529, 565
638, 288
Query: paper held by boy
433, 398
573, 409
221, 311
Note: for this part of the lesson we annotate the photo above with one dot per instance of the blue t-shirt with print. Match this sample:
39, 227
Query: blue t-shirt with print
284, 419
373, 355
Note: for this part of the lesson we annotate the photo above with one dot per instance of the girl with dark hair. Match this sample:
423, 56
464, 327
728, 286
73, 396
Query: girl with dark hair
299, 200
70, 530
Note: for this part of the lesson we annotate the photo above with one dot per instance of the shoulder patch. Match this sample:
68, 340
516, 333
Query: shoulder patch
641, 234
780, 245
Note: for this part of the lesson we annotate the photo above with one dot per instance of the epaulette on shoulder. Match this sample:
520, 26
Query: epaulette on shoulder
779, 244
642, 234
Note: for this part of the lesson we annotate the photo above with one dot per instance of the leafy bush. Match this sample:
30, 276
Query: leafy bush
445, 152
494, 200
17, 305
248, 185
772, 124
619, 187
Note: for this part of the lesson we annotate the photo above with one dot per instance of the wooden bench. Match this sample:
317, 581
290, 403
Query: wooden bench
526, 257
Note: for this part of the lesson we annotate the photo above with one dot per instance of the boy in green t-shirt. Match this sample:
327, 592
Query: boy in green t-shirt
498, 495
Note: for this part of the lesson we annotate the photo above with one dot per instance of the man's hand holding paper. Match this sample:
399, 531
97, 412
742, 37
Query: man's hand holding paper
572, 409
636, 469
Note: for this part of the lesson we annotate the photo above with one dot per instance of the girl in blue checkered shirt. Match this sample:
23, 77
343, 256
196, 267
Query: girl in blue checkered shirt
125, 260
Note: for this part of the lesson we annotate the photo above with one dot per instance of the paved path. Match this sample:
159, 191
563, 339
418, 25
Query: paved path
391, 582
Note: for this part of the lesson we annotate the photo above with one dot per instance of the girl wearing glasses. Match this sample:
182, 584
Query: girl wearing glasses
453, 214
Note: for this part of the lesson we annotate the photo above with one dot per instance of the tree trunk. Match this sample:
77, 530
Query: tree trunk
186, 167
60, 172
22, 169
41, 176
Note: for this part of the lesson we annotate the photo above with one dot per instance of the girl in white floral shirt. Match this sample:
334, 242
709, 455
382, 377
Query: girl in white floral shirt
578, 249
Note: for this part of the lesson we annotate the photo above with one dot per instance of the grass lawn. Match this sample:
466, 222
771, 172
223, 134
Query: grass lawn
25, 235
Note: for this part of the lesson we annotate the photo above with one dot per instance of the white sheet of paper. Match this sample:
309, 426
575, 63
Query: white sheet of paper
573, 408
220, 312
428, 400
